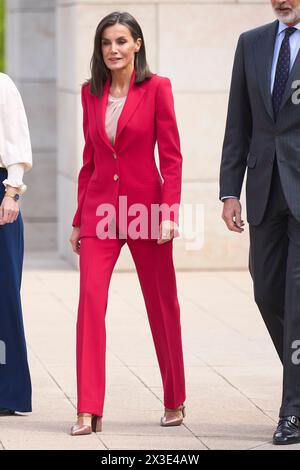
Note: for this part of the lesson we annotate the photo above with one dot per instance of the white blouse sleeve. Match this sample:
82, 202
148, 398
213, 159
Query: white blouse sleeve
16, 145
15, 175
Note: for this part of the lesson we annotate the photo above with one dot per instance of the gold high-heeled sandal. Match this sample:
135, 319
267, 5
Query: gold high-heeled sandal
173, 416
86, 424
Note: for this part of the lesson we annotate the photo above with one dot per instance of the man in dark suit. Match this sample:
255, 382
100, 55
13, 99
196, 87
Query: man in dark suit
263, 135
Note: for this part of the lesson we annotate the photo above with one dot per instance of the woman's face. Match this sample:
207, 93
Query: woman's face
118, 47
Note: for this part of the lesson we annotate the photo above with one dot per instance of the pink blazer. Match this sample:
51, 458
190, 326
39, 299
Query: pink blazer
128, 168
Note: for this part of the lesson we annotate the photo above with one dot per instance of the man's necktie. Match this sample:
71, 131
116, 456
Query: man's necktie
282, 70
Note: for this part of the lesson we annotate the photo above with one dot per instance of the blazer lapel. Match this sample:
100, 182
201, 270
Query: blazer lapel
100, 104
134, 96
264, 51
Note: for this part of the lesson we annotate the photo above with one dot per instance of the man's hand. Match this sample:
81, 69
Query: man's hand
231, 215
167, 230
9, 210
75, 240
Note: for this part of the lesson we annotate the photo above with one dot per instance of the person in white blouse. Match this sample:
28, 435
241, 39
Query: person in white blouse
15, 159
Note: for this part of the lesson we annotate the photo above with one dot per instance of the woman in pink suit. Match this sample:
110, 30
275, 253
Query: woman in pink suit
126, 110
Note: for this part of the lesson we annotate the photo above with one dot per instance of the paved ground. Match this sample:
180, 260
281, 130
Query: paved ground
233, 376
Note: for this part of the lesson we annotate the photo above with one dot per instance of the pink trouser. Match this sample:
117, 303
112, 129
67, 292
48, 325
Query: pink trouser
154, 265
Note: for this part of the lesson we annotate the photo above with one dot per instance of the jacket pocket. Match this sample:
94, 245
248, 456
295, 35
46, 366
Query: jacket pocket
251, 160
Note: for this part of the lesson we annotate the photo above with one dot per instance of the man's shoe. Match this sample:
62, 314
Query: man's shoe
288, 431
6, 412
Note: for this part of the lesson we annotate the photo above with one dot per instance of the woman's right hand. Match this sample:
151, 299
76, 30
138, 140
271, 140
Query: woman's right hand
75, 240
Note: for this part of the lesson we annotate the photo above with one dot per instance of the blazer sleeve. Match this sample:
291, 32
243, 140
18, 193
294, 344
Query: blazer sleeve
87, 168
170, 158
238, 130
16, 138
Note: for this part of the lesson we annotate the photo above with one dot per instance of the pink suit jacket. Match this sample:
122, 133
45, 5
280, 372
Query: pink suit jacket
128, 168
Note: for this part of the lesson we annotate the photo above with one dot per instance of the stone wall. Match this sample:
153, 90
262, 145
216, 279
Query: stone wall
193, 44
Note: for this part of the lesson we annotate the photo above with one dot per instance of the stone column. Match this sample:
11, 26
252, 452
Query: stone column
31, 63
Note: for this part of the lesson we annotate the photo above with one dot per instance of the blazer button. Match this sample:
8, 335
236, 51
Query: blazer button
115, 156
116, 177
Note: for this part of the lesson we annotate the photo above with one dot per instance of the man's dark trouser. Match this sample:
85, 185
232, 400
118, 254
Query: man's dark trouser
274, 264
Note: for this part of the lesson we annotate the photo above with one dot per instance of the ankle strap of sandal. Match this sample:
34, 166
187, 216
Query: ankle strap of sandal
179, 408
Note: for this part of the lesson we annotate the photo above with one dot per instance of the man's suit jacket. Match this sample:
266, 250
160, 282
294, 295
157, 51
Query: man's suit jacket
252, 137
128, 168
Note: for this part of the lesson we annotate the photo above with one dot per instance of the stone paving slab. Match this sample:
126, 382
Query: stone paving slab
233, 375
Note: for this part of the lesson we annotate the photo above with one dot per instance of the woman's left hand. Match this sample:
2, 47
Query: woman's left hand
9, 211
167, 230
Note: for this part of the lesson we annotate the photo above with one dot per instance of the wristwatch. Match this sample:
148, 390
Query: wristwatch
15, 196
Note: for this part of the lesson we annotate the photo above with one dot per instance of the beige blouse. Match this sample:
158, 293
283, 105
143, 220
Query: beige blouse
113, 111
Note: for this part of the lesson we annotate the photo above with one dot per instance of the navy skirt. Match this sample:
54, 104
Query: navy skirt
15, 382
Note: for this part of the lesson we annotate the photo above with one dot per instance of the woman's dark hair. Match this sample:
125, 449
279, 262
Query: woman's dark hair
99, 72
